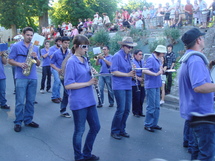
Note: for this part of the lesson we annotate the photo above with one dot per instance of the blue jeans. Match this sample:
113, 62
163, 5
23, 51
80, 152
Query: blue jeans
152, 107
90, 115
123, 100
204, 140
188, 136
25, 97
2, 92
64, 100
56, 85
106, 80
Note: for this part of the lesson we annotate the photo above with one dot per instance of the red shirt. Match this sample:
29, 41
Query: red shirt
189, 7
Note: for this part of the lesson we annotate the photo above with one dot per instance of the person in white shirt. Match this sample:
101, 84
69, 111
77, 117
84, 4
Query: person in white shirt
139, 23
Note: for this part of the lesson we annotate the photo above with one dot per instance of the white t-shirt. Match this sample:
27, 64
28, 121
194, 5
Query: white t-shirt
139, 24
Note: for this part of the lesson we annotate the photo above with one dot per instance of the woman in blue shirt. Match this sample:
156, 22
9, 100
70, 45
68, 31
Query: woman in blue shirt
79, 83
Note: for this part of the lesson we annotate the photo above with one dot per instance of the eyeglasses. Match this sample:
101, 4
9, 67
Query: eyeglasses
129, 47
140, 54
104, 49
83, 46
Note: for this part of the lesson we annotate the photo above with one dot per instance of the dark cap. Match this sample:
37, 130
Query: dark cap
191, 35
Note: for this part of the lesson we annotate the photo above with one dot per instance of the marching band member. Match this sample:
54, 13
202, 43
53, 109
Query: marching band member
26, 86
3, 101
56, 62
121, 83
138, 96
153, 84
46, 69
79, 83
105, 62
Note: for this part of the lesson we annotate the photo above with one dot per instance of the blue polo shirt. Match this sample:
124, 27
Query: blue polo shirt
58, 57
194, 73
104, 67
2, 74
52, 49
138, 64
47, 60
78, 72
19, 53
153, 64
122, 64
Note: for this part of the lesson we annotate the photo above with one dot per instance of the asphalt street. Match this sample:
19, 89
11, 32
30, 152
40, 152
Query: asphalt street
52, 141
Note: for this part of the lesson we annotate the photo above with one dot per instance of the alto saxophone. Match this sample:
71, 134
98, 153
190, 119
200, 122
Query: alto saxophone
29, 61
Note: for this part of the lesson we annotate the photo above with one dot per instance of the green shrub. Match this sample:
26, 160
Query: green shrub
155, 43
114, 46
172, 35
100, 38
136, 34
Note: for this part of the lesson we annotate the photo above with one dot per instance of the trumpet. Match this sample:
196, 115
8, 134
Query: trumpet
97, 56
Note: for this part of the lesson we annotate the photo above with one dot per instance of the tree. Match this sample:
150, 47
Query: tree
12, 15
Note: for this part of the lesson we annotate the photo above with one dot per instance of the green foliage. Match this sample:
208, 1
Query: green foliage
155, 43
136, 34
93, 61
134, 4
172, 35
100, 38
114, 46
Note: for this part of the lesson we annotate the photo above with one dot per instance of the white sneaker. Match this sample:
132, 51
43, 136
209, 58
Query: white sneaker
162, 102
42, 91
49, 91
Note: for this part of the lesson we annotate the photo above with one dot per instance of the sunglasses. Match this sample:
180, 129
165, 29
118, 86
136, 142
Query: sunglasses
140, 54
104, 49
129, 47
83, 46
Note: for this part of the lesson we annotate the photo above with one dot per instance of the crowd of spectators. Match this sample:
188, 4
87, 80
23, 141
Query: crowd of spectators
173, 14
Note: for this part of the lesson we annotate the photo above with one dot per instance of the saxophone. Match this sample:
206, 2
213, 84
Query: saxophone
29, 61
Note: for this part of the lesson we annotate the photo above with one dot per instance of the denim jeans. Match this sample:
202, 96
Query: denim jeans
137, 100
25, 97
204, 140
56, 85
46, 72
123, 100
3, 101
102, 81
80, 117
152, 107
64, 100
188, 136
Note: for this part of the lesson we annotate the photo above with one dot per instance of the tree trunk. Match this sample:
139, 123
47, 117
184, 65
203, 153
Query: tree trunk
43, 21
14, 30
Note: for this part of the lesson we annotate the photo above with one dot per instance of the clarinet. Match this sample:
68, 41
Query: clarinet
95, 85
132, 68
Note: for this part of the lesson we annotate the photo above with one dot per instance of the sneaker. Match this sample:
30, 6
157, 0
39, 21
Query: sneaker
17, 128
42, 91
116, 136
49, 91
5, 107
67, 115
111, 105
162, 102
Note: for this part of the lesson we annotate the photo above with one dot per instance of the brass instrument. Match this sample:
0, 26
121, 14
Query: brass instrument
4, 54
29, 61
133, 69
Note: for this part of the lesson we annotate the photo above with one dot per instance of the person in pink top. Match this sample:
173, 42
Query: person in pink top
74, 32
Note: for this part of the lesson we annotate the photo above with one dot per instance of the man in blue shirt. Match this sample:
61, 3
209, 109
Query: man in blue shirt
196, 95
26, 86
56, 84
122, 87
56, 62
3, 101
105, 62
46, 71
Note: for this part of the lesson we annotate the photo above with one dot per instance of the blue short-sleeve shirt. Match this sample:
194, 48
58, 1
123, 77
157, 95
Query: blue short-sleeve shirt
121, 63
78, 72
153, 64
2, 74
194, 73
104, 67
19, 53
47, 60
138, 64
58, 57
52, 49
